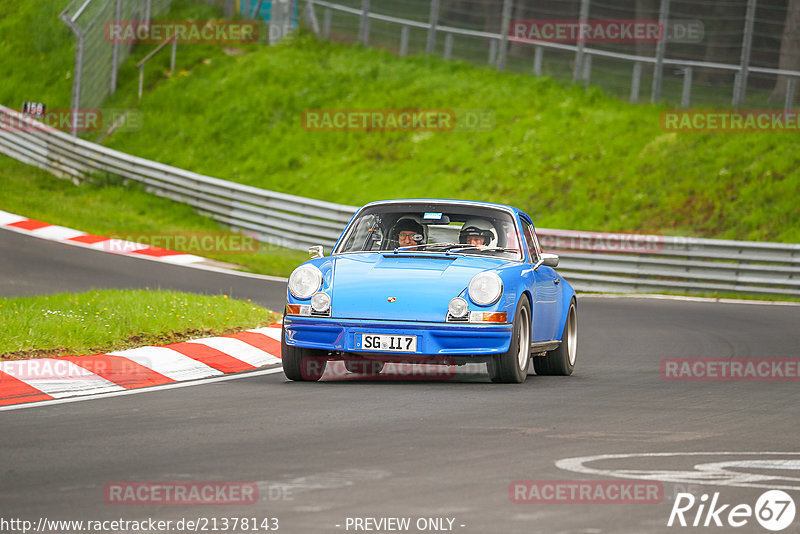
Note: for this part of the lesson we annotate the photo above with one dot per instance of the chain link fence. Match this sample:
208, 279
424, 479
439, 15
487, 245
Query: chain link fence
740, 53
97, 61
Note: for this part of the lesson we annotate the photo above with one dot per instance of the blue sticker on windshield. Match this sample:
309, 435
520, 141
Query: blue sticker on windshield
432, 216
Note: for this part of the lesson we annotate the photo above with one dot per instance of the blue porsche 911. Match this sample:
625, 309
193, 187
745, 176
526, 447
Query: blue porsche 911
436, 282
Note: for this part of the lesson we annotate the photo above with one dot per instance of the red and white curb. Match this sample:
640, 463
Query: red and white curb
62, 234
25, 381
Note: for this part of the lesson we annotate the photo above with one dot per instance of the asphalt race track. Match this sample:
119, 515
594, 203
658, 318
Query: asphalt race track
324, 452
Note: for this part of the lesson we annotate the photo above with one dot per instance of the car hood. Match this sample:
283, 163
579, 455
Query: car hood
403, 286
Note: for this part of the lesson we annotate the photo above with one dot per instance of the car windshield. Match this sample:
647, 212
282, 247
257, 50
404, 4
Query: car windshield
433, 228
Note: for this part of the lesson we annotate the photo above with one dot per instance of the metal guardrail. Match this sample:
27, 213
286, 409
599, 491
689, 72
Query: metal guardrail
591, 261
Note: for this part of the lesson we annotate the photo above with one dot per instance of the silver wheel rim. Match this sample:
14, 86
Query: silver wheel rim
523, 351
572, 335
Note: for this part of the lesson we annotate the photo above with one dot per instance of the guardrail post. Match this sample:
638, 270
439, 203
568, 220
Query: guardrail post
448, 46
433, 21
538, 52
740, 90
327, 15
492, 51
505, 22
791, 82
686, 94
363, 27
577, 73
404, 41
661, 49
636, 82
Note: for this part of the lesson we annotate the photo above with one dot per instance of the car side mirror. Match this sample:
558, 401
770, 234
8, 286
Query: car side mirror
316, 252
549, 260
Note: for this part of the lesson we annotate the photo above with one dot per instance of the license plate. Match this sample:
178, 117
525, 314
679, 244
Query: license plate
384, 342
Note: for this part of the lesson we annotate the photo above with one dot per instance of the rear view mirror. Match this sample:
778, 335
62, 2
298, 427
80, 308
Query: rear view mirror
315, 252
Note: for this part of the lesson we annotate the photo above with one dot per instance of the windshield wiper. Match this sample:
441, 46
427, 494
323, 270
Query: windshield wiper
422, 245
458, 248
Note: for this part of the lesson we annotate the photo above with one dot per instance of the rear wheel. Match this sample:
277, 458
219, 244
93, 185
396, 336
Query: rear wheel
364, 367
300, 363
561, 361
512, 367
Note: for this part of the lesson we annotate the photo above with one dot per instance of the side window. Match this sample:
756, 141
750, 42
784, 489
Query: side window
530, 240
536, 243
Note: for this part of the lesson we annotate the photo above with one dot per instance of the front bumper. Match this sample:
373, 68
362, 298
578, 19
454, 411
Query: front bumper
433, 339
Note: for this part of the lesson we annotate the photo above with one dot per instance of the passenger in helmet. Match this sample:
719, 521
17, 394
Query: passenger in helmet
407, 232
478, 233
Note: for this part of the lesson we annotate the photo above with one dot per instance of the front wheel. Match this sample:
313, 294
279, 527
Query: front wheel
561, 361
301, 364
512, 367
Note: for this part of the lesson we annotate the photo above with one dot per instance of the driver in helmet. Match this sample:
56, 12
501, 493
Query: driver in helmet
478, 233
407, 233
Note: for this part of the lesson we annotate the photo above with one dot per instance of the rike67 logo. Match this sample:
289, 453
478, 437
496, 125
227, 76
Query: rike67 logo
774, 510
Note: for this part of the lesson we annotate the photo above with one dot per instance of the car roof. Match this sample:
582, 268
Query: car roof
516, 211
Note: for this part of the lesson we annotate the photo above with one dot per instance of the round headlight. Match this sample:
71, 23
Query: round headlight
305, 281
458, 307
320, 302
485, 288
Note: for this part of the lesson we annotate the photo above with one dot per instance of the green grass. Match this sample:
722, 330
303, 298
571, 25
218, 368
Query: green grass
102, 321
573, 158
110, 209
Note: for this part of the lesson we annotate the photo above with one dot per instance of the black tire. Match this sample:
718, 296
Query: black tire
301, 364
364, 367
561, 361
512, 367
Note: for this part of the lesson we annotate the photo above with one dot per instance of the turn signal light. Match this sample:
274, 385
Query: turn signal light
487, 317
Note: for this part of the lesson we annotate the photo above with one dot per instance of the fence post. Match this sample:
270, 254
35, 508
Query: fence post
433, 22
174, 55
257, 9
740, 90
636, 82
492, 51
448, 45
148, 10
327, 15
363, 27
686, 94
791, 82
587, 69
582, 18
538, 52
661, 48
404, 41
505, 21
311, 17
115, 50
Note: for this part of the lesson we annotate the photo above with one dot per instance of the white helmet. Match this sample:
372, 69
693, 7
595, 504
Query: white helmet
479, 227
